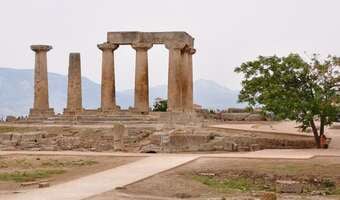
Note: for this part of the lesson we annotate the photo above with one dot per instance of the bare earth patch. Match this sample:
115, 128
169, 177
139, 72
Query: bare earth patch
17, 172
241, 178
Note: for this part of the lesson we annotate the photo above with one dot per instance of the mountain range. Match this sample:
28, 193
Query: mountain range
16, 93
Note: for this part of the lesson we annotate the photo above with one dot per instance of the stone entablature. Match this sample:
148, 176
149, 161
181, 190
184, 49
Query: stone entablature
150, 37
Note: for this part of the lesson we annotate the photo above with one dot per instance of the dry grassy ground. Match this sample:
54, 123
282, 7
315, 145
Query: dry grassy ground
217, 177
18, 170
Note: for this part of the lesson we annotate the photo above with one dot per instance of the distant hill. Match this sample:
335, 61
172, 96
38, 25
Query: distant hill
16, 93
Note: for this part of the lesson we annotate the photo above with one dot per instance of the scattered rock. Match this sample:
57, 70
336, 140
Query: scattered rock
207, 174
255, 117
217, 198
268, 196
26, 184
234, 116
120, 188
150, 148
243, 148
182, 195
237, 110
316, 193
255, 147
44, 184
10, 118
283, 186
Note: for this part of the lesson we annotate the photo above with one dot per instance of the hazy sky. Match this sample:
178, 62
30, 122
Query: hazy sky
226, 33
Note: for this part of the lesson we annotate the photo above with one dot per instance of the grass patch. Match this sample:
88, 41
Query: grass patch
5, 129
336, 191
241, 184
286, 169
32, 175
73, 163
229, 185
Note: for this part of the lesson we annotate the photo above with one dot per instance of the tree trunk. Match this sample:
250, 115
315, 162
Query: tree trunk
322, 125
316, 134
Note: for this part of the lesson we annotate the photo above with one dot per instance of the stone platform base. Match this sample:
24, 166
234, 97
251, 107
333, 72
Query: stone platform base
96, 116
68, 112
145, 133
38, 113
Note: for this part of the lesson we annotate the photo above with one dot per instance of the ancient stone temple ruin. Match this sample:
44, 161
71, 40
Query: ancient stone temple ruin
180, 78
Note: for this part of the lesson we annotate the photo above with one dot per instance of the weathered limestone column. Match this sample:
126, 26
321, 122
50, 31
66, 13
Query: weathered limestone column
187, 80
74, 98
141, 77
41, 105
174, 76
108, 90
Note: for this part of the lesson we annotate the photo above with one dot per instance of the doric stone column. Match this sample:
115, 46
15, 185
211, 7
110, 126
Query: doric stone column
41, 104
141, 77
187, 79
174, 76
74, 98
108, 89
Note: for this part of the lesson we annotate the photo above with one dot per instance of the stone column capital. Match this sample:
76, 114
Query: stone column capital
191, 51
175, 45
141, 45
38, 48
107, 46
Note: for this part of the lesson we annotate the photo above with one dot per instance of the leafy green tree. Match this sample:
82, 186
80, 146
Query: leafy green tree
160, 106
295, 89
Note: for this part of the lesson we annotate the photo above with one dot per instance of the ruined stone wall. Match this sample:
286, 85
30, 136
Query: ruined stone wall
205, 139
66, 138
145, 139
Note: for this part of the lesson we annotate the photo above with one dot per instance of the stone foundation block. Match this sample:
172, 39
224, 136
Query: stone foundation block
234, 116
41, 113
283, 186
186, 139
268, 196
255, 117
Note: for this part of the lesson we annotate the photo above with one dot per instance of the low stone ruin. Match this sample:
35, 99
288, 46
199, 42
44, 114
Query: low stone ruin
283, 186
145, 138
233, 114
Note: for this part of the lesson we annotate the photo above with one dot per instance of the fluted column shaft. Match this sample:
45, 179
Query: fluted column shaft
141, 98
74, 95
174, 77
108, 90
41, 102
187, 80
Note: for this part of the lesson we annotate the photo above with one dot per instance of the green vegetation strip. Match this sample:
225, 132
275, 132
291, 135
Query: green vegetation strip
32, 175
5, 129
73, 163
241, 184
229, 185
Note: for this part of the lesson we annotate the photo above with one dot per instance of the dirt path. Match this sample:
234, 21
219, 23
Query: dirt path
267, 153
105, 181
